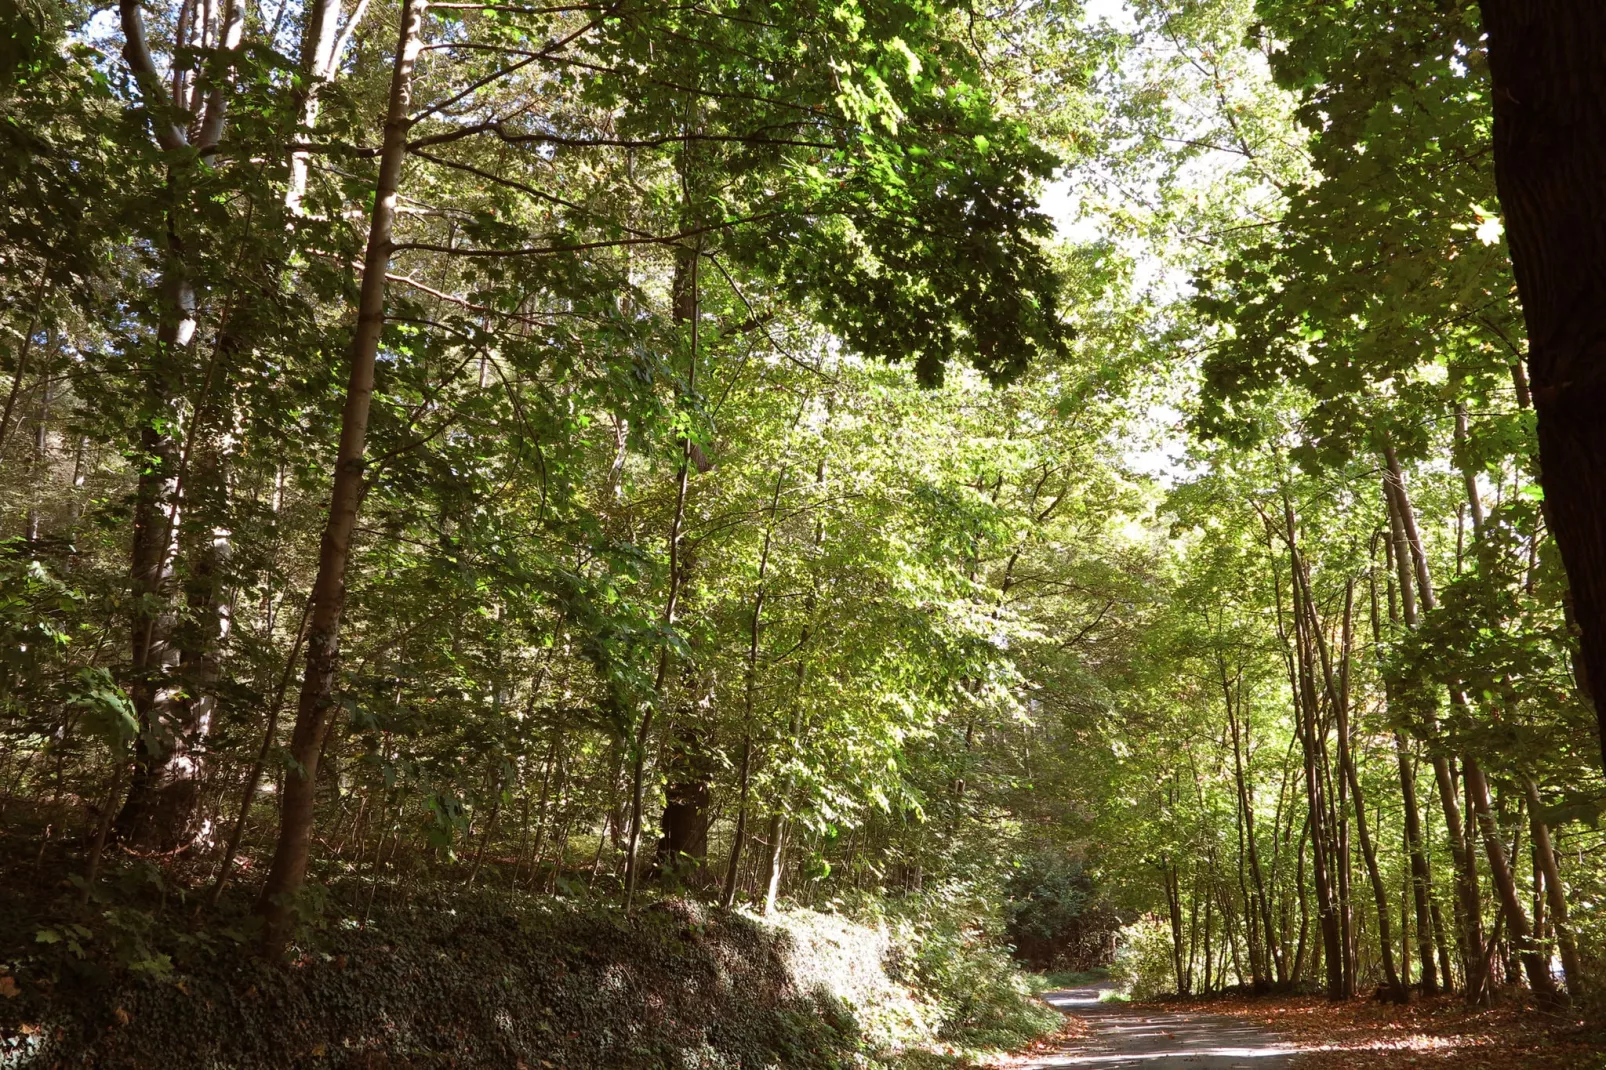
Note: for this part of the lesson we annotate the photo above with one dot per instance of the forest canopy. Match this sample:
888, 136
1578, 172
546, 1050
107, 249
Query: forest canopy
1076, 470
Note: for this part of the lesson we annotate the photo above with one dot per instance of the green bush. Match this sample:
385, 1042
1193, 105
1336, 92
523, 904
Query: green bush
1055, 916
950, 950
1143, 964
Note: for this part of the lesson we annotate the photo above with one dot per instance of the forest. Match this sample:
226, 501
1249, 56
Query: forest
767, 533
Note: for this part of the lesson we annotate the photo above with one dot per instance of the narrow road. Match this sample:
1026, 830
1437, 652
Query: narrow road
1149, 1038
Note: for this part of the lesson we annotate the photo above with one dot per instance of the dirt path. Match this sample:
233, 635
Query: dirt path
1151, 1038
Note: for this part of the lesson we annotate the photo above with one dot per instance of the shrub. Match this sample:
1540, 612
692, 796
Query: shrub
1143, 964
1055, 916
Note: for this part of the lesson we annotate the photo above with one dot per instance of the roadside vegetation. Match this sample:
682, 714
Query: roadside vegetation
530, 532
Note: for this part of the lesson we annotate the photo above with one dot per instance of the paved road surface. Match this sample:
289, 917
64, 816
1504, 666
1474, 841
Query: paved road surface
1128, 1037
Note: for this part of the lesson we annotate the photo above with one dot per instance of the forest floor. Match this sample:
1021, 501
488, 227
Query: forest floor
1309, 1033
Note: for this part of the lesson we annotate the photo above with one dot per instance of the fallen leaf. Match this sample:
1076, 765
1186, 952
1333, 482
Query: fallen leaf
122, 1016
8, 987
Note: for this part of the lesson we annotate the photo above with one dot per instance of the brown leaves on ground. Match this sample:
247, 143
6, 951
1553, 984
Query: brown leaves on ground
1441, 1033
1073, 1030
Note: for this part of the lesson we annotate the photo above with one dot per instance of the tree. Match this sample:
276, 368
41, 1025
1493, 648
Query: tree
1549, 98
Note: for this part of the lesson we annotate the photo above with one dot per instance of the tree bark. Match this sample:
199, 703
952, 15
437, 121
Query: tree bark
739, 840
686, 298
1326, 907
290, 856
1549, 101
778, 828
1536, 966
1555, 893
1410, 559
1246, 807
320, 53
1346, 758
159, 811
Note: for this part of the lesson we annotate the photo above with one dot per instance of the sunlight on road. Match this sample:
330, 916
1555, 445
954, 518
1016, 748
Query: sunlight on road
1128, 1037
1155, 1057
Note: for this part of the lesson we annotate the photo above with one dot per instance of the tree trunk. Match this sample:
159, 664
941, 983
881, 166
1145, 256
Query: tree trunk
1411, 559
1246, 807
682, 849
1346, 759
1326, 907
290, 856
1536, 966
1550, 167
38, 465
738, 841
1555, 893
686, 299
160, 808
320, 53
778, 829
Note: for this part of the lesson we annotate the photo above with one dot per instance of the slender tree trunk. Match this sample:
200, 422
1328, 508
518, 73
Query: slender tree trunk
1550, 167
254, 776
1326, 907
490, 830
686, 298
22, 356
290, 857
778, 829
739, 840
1409, 558
1346, 758
1555, 893
39, 466
1246, 807
1173, 899
1420, 876
1536, 966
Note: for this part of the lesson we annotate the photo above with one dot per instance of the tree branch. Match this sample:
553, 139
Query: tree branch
137, 53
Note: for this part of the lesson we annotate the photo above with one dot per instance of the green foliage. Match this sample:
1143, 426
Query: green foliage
1055, 916
748, 449
1143, 965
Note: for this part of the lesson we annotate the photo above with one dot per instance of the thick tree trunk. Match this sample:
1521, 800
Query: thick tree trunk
290, 855
1549, 80
682, 848
317, 63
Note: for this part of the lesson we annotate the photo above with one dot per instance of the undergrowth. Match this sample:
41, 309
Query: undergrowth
443, 977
